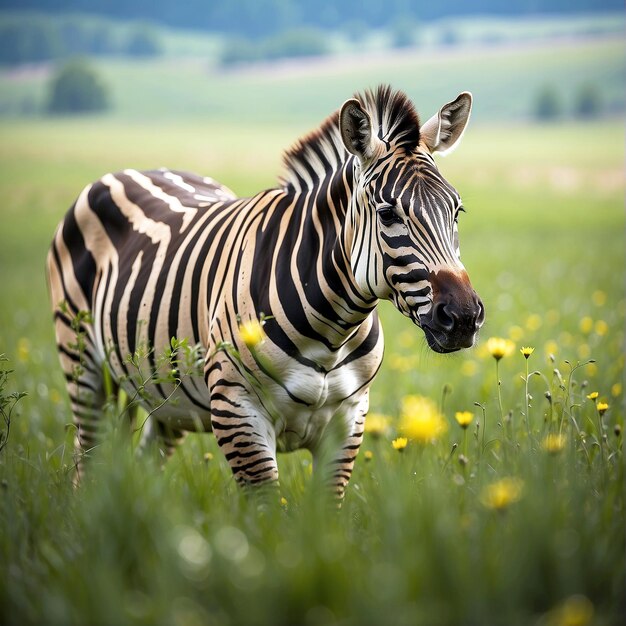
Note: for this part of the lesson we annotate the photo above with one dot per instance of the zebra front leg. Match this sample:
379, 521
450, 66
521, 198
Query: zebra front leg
336, 453
244, 433
250, 451
246, 439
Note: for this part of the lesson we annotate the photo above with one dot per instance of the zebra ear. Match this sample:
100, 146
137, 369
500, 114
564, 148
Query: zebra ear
356, 130
442, 132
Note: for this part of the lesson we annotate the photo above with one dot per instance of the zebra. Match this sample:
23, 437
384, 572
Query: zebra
361, 214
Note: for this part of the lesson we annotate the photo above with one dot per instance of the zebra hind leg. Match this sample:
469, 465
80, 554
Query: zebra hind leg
158, 433
85, 386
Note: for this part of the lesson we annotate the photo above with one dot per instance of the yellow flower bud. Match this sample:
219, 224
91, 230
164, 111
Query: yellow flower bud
252, 333
400, 443
464, 418
499, 347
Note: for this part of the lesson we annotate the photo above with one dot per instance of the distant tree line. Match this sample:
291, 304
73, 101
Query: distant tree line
296, 43
304, 42
36, 38
586, 103
262, 18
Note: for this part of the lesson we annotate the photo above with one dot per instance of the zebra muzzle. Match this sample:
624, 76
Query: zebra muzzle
456, 315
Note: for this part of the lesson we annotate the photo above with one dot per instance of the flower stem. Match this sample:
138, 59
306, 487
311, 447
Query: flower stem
527, 402
499, 392
600, 439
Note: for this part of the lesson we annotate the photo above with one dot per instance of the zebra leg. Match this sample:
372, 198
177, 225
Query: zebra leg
336, 454
156, 432
87, 400
246, 438
251, 456
85, 386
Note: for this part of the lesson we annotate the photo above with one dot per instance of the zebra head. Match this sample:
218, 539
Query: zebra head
404, 214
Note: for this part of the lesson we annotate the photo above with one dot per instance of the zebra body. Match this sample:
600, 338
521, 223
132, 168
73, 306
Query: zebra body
362, 214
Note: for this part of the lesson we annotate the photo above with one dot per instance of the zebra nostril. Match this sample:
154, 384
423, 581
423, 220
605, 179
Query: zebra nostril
442, 317
480, 318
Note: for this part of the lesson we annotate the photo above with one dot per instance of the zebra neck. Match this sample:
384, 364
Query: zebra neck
302, 275
327, 228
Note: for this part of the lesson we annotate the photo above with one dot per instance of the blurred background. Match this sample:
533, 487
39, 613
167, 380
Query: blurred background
296, 61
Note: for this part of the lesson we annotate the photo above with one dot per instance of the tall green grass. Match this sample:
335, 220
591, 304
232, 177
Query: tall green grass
421, 538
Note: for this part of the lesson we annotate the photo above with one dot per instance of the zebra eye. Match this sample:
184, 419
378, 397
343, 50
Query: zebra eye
387, 215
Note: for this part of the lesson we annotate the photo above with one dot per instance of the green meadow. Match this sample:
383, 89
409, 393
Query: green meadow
516, 519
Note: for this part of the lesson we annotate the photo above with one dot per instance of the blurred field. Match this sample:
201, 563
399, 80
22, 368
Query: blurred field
504, 78
418, 540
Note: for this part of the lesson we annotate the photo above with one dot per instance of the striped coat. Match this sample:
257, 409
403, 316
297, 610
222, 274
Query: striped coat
362, 214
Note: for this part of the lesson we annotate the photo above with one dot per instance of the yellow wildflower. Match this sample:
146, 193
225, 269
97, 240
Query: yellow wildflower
369, 455
553, 443
499, 347
533, 322
208, 456
400, 363
400, 443
464, 418
586, 325
575, 611
516, 333
420, 419
565, 338
23, 349
616, 390
598, 297
593, 395
469, 367
407, 338
601, 328
584, 351
376, 424
527, 351
551, 347
501, 494
283, 501
602, 407
252, 333
553, 316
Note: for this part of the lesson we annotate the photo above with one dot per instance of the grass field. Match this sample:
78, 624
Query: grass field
525, 529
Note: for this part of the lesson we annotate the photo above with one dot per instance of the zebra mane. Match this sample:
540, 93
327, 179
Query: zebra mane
321, 152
